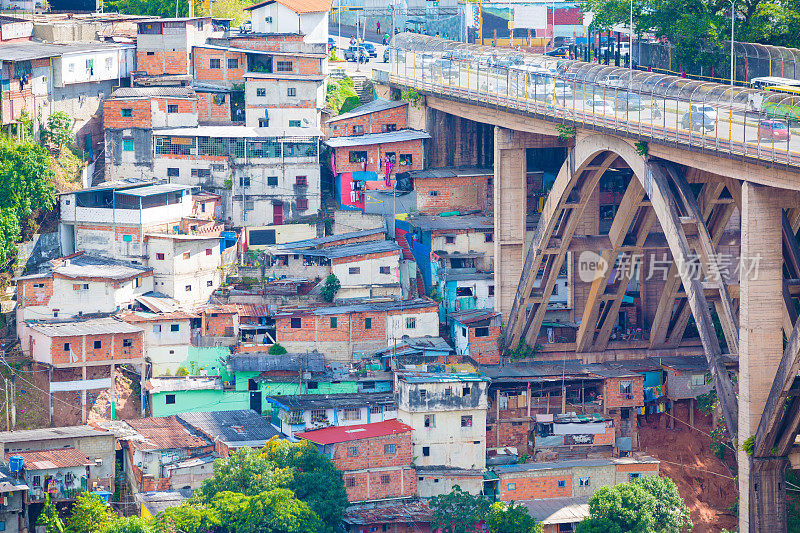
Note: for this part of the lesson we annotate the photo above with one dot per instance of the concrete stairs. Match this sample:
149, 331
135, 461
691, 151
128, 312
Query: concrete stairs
364, 88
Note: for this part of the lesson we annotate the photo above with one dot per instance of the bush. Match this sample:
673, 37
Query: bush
276, 349
58, 131
331, 287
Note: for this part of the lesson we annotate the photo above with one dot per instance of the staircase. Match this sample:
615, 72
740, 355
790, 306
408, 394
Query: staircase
364, 89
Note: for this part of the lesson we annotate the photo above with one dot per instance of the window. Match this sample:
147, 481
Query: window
481, 332
160, 256
249, 205
463, 291
430, 421
186, 255
354, 270
386, 128
98, 345
334, 322
434, 193
350, 482
562, 483
411, 323
491, 290
464, 332
296, 323
426, 451
127, 343
312, 385
263, 122
488, 237
244, 181
233, 62
172, 108
423, 394
405, 160
109, 63
633, 475
157, 328
71, 67
199, 25
466, 421
283, 66
291, 91
385, 270
352, 451
698, 380
38, 285
173, 172
450, 239
66, 346
385, 479
358, 129
555, 289
209, 251
448, 392
367, 323
301, 181
216, 63
268, 20
585, 481
261, 91
512, 486
318, 414
352, 413
127, 145
294, 123
151, 53
624, 387
80, 286
358, 156
174, 327
127, 112
188, 288
209, 283
465, 391
302, 204
272, 181
37, 481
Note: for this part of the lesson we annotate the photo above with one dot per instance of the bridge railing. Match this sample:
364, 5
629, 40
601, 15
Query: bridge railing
701, 115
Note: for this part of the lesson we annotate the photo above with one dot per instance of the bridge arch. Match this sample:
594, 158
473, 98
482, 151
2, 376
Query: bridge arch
658, 191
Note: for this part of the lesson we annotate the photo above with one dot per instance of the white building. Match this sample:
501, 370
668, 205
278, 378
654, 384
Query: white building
167, 337
279, 100
186, 267
448, 414
305, 17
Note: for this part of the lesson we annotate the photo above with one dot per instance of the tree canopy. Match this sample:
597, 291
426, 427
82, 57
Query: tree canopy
89, 514
511, 518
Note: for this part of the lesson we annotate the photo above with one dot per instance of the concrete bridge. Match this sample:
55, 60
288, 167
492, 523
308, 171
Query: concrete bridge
698, 191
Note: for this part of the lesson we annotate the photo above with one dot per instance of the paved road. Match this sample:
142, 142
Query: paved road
351, 68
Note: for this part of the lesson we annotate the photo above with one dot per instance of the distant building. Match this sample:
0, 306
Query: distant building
307, 18
375, 459
398, 516
442, 190
231, 430
476, 334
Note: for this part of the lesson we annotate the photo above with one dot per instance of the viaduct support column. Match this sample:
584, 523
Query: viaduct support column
510, 208
762, 492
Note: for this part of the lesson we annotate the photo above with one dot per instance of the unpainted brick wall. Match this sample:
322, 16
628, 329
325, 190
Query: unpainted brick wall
370, 122
375, 153
439, 195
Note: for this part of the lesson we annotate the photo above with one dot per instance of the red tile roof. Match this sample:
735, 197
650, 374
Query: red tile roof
164, 433
49, 459
336, 434
299, 6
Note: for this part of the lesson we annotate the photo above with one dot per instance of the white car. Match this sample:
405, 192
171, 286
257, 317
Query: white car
599, 106
562, 90
706, 110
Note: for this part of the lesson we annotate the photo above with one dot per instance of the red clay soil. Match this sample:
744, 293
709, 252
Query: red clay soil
703, 480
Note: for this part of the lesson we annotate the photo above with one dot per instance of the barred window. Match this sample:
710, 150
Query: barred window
283, 66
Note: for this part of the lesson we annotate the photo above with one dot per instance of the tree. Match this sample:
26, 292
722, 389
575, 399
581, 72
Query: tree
671, 513
58, 130
187, 518
511, 518
332, 285
153, 8
458, 511
245, 471
130, 524
89, 514
276, 510
312, 478
276, 349
49, 518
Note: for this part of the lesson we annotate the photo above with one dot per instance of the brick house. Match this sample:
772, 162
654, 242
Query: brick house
83, 356
378, 116
164, 46
340, 331
412, 516
686, 379
375, 459
453, 189
476, 334
623, 396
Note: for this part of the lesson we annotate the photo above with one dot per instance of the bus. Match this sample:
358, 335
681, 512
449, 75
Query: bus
528, 81
765, 82
787, 108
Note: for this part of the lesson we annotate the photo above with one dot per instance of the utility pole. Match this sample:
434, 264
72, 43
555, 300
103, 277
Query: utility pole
13, 402
8, 406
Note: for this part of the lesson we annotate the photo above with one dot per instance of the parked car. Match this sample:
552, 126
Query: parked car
370, 48
562, 51
625, 101
386, 55
698, 121
774, 130
356, 53
562, 89
602, 107
705, 109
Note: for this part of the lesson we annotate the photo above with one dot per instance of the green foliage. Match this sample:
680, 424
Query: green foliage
566, 132
458, 511
749, 444
228, 184
244, 471
89, 514
338, 91
58, 130
330, 288
49, 518
641, 148
276, 349
187, 518
523, 351
155, 8
411, 96
312, 478
181, 371
25, 187
130, 524
645, 505
277, 510
511, 518
706, 403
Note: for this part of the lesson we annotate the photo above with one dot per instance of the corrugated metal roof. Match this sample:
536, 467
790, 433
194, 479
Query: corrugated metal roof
239, 132
231, 427
283, 76
86, 266
305, 402
157, 501
377, 138
135, 318
392, 305
451, 172
264, 362
241, 309
168, 384
151, 92
382, 513
27, 50
160, 303
379, 104
438, 377
684, 363
311, 243
50, 459
473, 316
164, 433
68, 432
344, 250
435, 344
154, 190
298, 6
96, 326
434, 223
337, 434
558, 510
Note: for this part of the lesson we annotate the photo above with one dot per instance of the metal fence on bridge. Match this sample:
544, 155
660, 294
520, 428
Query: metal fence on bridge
708, 116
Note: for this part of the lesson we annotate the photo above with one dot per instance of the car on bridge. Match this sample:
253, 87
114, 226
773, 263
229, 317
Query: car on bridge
697, 120
356, 53
773, 130
600, 106
625, 101
562, 89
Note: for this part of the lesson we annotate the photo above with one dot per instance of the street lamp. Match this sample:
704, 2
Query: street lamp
732, 19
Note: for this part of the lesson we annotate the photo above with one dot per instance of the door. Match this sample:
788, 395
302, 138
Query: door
255, 401
277, 213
